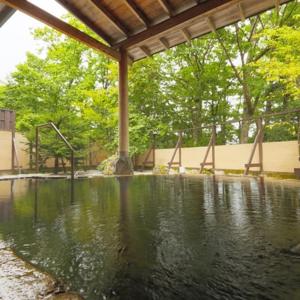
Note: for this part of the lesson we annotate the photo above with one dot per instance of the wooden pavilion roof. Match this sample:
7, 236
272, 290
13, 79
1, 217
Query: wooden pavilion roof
145, 27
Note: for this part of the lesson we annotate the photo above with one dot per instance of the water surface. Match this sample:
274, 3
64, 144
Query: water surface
159, 237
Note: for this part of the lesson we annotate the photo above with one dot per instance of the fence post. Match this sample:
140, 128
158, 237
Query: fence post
260, 145
153, 149
13, 133
213, 146
180, 144
299, 136
37, 149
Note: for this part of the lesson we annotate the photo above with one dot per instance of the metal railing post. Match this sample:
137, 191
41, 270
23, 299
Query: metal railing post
72, 164
62, 138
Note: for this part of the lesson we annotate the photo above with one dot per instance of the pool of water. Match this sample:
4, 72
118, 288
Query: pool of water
160, 237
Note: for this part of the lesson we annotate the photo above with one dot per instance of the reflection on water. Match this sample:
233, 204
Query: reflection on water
158, 237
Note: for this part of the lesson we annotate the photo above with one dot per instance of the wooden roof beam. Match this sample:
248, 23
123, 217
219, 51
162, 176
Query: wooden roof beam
5, 13
117, 23
48, 19
277, 5
138, 12
85, 20
166, 6
175, 21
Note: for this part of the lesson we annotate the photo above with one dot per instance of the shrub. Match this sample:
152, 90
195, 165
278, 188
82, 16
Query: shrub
107, 166
160, 170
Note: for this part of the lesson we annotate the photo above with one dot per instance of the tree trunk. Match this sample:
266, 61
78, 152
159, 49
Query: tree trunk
247, 111
63, 165
56, 164
197, 123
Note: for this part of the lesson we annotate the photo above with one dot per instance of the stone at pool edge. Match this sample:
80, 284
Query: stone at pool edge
63, 296
123, 166
295, 250
20, 280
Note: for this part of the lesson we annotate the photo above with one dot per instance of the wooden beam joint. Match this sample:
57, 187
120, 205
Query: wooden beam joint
48, 19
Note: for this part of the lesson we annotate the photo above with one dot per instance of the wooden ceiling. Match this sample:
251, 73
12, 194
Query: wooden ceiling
145, 27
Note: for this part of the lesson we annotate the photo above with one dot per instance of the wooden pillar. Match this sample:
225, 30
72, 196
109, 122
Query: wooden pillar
123, 105
123, 165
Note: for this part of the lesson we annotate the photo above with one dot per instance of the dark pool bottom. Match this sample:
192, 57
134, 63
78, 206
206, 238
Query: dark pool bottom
158, 237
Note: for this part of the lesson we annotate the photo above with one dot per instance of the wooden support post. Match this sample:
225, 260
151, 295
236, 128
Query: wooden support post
177, 148
153, 149
123, 165
298, 136
211, 146
13, 133
36, 150
257, 142
260, 144
123, 104
180, 145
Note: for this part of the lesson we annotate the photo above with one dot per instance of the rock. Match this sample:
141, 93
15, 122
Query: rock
20, 280
296, 249
64, 296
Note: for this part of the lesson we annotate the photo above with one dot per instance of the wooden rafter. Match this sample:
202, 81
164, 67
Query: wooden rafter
211, 24
48, 19
172, 22
111, 17
166, 6
77, 13
186, 35
164, 42
138, 12
242, 11
146, 50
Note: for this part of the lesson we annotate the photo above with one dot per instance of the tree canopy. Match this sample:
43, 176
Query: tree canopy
243, 70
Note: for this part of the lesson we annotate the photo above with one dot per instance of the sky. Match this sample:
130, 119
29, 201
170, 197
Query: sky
16, 39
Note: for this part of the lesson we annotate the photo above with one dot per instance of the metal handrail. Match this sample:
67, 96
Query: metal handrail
51, 125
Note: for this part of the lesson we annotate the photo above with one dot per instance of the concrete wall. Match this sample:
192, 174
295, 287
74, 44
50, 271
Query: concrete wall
278, 156
95, 157
5, 150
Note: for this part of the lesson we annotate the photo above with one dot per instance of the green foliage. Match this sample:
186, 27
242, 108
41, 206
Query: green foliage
160, 170
282, 66
283, 131
246, 69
